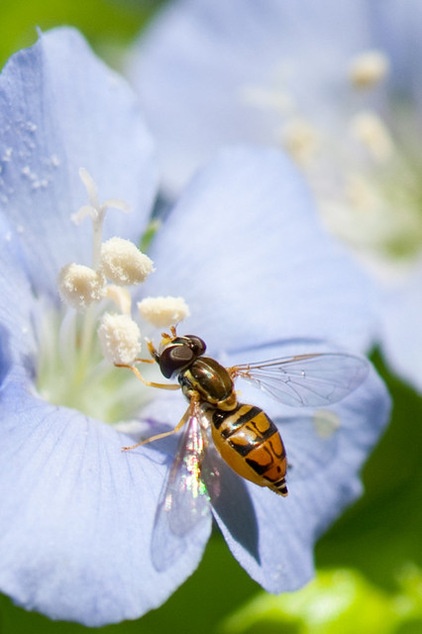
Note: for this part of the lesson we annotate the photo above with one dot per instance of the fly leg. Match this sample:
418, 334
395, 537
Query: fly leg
186, 416
134, 369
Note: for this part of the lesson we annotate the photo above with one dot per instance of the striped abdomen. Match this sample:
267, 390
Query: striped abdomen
251, 445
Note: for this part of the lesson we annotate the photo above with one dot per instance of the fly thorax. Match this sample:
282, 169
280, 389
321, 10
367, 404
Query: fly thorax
210, 381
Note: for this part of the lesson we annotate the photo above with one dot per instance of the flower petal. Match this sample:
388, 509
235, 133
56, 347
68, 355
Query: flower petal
77, 515
245, 249
281, 555
16, 333
401, 341
62, 109
222, 54
399, 29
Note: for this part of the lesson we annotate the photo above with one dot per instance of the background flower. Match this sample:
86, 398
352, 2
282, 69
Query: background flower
76, 513
338, 86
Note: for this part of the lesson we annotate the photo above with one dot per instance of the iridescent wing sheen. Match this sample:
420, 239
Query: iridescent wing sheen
184, 501
306, 380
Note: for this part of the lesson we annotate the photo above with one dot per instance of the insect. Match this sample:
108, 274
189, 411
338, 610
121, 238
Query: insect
243, 434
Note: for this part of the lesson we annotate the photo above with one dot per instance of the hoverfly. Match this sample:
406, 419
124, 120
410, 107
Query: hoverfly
244, 436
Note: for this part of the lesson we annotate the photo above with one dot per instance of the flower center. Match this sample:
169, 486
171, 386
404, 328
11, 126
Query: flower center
72, 371
82, 341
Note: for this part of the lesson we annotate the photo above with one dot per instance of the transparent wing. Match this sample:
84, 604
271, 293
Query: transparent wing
184, 501
308, 379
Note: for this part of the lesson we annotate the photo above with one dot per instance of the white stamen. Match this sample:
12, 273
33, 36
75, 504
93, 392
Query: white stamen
80, 285
360, 194
368, 128
121, 298
301, 139
120, 337
163, 312
117, 203
123, 263
260, 97
368, 69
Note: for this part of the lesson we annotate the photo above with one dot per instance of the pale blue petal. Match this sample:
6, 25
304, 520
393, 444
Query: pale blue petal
194, 66
77, 514
276, 545
402, 331
245, 249
62, 109
16, 332
398, 26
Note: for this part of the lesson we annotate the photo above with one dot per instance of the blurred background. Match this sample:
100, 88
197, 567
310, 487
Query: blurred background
369, 563
109, 25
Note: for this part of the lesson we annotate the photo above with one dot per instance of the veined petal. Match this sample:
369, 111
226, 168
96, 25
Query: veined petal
77, 515
245, 249
62, 109
320, 485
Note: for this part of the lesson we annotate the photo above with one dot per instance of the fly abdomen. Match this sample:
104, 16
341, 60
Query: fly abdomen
251, 444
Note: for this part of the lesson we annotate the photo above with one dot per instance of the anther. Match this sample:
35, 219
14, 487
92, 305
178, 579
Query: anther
123, 263
120, 338
301, 139
368, 69
80, 286
163, 312
368, 128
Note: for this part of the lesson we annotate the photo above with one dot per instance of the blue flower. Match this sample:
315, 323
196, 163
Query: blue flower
245, 249
339, 86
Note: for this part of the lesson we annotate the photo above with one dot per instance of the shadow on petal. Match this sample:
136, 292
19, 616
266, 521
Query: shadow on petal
231, 503
5, 354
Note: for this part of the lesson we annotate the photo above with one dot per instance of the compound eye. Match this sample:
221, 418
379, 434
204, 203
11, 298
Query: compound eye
197, 344
175, 358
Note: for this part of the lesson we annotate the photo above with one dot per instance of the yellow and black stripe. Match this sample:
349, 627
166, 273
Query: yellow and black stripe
251, 444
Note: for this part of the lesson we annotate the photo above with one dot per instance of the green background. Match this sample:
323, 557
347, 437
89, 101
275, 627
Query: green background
380, 536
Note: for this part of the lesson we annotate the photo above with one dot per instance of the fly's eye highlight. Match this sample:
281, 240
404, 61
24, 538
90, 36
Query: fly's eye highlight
196, 344
174, 358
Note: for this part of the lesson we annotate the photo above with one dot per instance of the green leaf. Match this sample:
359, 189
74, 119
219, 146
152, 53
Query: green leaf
336, 601
107, 24
382, 531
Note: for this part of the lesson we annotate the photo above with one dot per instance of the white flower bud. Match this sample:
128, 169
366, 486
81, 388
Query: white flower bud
163, 311
119, 338
123, 263
80, 286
